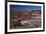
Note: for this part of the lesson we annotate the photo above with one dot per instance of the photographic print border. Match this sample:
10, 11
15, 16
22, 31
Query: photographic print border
24, 2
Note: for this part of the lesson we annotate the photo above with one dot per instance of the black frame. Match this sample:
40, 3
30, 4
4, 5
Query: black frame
24, 2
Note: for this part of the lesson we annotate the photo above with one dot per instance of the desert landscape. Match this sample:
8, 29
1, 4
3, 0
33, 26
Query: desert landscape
25, 19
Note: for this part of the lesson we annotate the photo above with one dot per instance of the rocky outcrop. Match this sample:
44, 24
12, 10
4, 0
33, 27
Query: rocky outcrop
26, 20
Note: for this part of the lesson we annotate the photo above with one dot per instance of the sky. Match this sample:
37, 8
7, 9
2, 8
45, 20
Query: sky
24, 7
